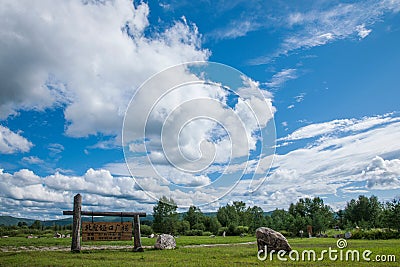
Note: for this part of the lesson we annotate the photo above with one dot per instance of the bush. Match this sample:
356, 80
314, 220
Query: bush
221, 230
207, 233
288, 234
241, 230
375, 234
194, 232
146, 230
199, 226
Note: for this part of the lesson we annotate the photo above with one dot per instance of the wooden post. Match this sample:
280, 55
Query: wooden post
76, 224
137, 244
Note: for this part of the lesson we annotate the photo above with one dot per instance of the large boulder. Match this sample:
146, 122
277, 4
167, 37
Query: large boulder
165, 241
272, 239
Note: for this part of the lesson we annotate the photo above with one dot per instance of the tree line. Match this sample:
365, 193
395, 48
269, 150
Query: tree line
237, 218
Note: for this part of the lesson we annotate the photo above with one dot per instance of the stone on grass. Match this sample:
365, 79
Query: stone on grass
272, 239
165, 241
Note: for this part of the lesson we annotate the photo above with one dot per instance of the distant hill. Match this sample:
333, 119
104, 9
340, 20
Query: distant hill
9, 220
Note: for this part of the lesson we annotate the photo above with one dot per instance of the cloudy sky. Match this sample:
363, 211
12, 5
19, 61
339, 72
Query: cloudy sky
316, 83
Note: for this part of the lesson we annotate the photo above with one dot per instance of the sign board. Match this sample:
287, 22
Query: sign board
106, 231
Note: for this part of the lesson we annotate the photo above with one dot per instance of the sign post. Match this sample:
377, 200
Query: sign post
103, 230
76, 224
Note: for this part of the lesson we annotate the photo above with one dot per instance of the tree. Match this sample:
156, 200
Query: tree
364, 211
228, 216
22, 224
281, 219
392, 214
165, 216
310, 212
194, 216
254, 218
36, 225
212, 224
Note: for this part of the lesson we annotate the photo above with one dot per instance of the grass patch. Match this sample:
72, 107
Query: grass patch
239, 255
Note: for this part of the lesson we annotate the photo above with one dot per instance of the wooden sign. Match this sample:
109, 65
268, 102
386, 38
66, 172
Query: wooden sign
106, 231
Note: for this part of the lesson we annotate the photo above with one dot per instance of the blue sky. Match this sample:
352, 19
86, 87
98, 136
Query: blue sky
327, 72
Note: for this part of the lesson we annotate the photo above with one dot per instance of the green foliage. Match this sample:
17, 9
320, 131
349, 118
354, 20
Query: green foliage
145, 230
183, 227
212, 224
391, 214
241, 230
199, 226
165, 216
375, 234
221, 230
36, 225
194, 216
194, 232
364, 211
228, 215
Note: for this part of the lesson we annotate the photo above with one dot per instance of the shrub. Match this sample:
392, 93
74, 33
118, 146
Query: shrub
221, 230
194, 232
375, 234
241, 230
146, 230
287, 234
207, 233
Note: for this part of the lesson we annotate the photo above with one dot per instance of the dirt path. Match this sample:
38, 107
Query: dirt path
105, 247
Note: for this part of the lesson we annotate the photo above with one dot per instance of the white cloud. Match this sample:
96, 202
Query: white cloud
191, 131
342, 159
90, 57
299, 98
32, 160
278, 79
383, 174
319, 26
235, 29
339, 126
11, 142
349, 163
362, 31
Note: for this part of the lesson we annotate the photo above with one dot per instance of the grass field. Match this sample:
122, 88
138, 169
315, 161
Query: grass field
237, 255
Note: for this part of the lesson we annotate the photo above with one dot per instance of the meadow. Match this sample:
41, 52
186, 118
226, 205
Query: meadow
190, 251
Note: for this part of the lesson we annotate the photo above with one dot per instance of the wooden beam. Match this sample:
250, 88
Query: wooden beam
107, 213
76, 224
137, 243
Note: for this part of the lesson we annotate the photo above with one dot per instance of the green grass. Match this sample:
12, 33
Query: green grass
238, 255
66, 242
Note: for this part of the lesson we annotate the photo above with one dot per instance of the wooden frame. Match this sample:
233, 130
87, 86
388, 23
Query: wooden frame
77, 223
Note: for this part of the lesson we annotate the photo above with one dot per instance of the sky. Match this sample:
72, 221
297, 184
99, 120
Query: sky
206, 102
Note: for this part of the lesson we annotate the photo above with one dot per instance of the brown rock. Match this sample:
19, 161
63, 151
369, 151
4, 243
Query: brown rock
272, 239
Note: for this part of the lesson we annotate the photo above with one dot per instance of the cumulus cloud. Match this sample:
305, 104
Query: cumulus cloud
87, 57
56, 191
11, 142
383, 174
338, 161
